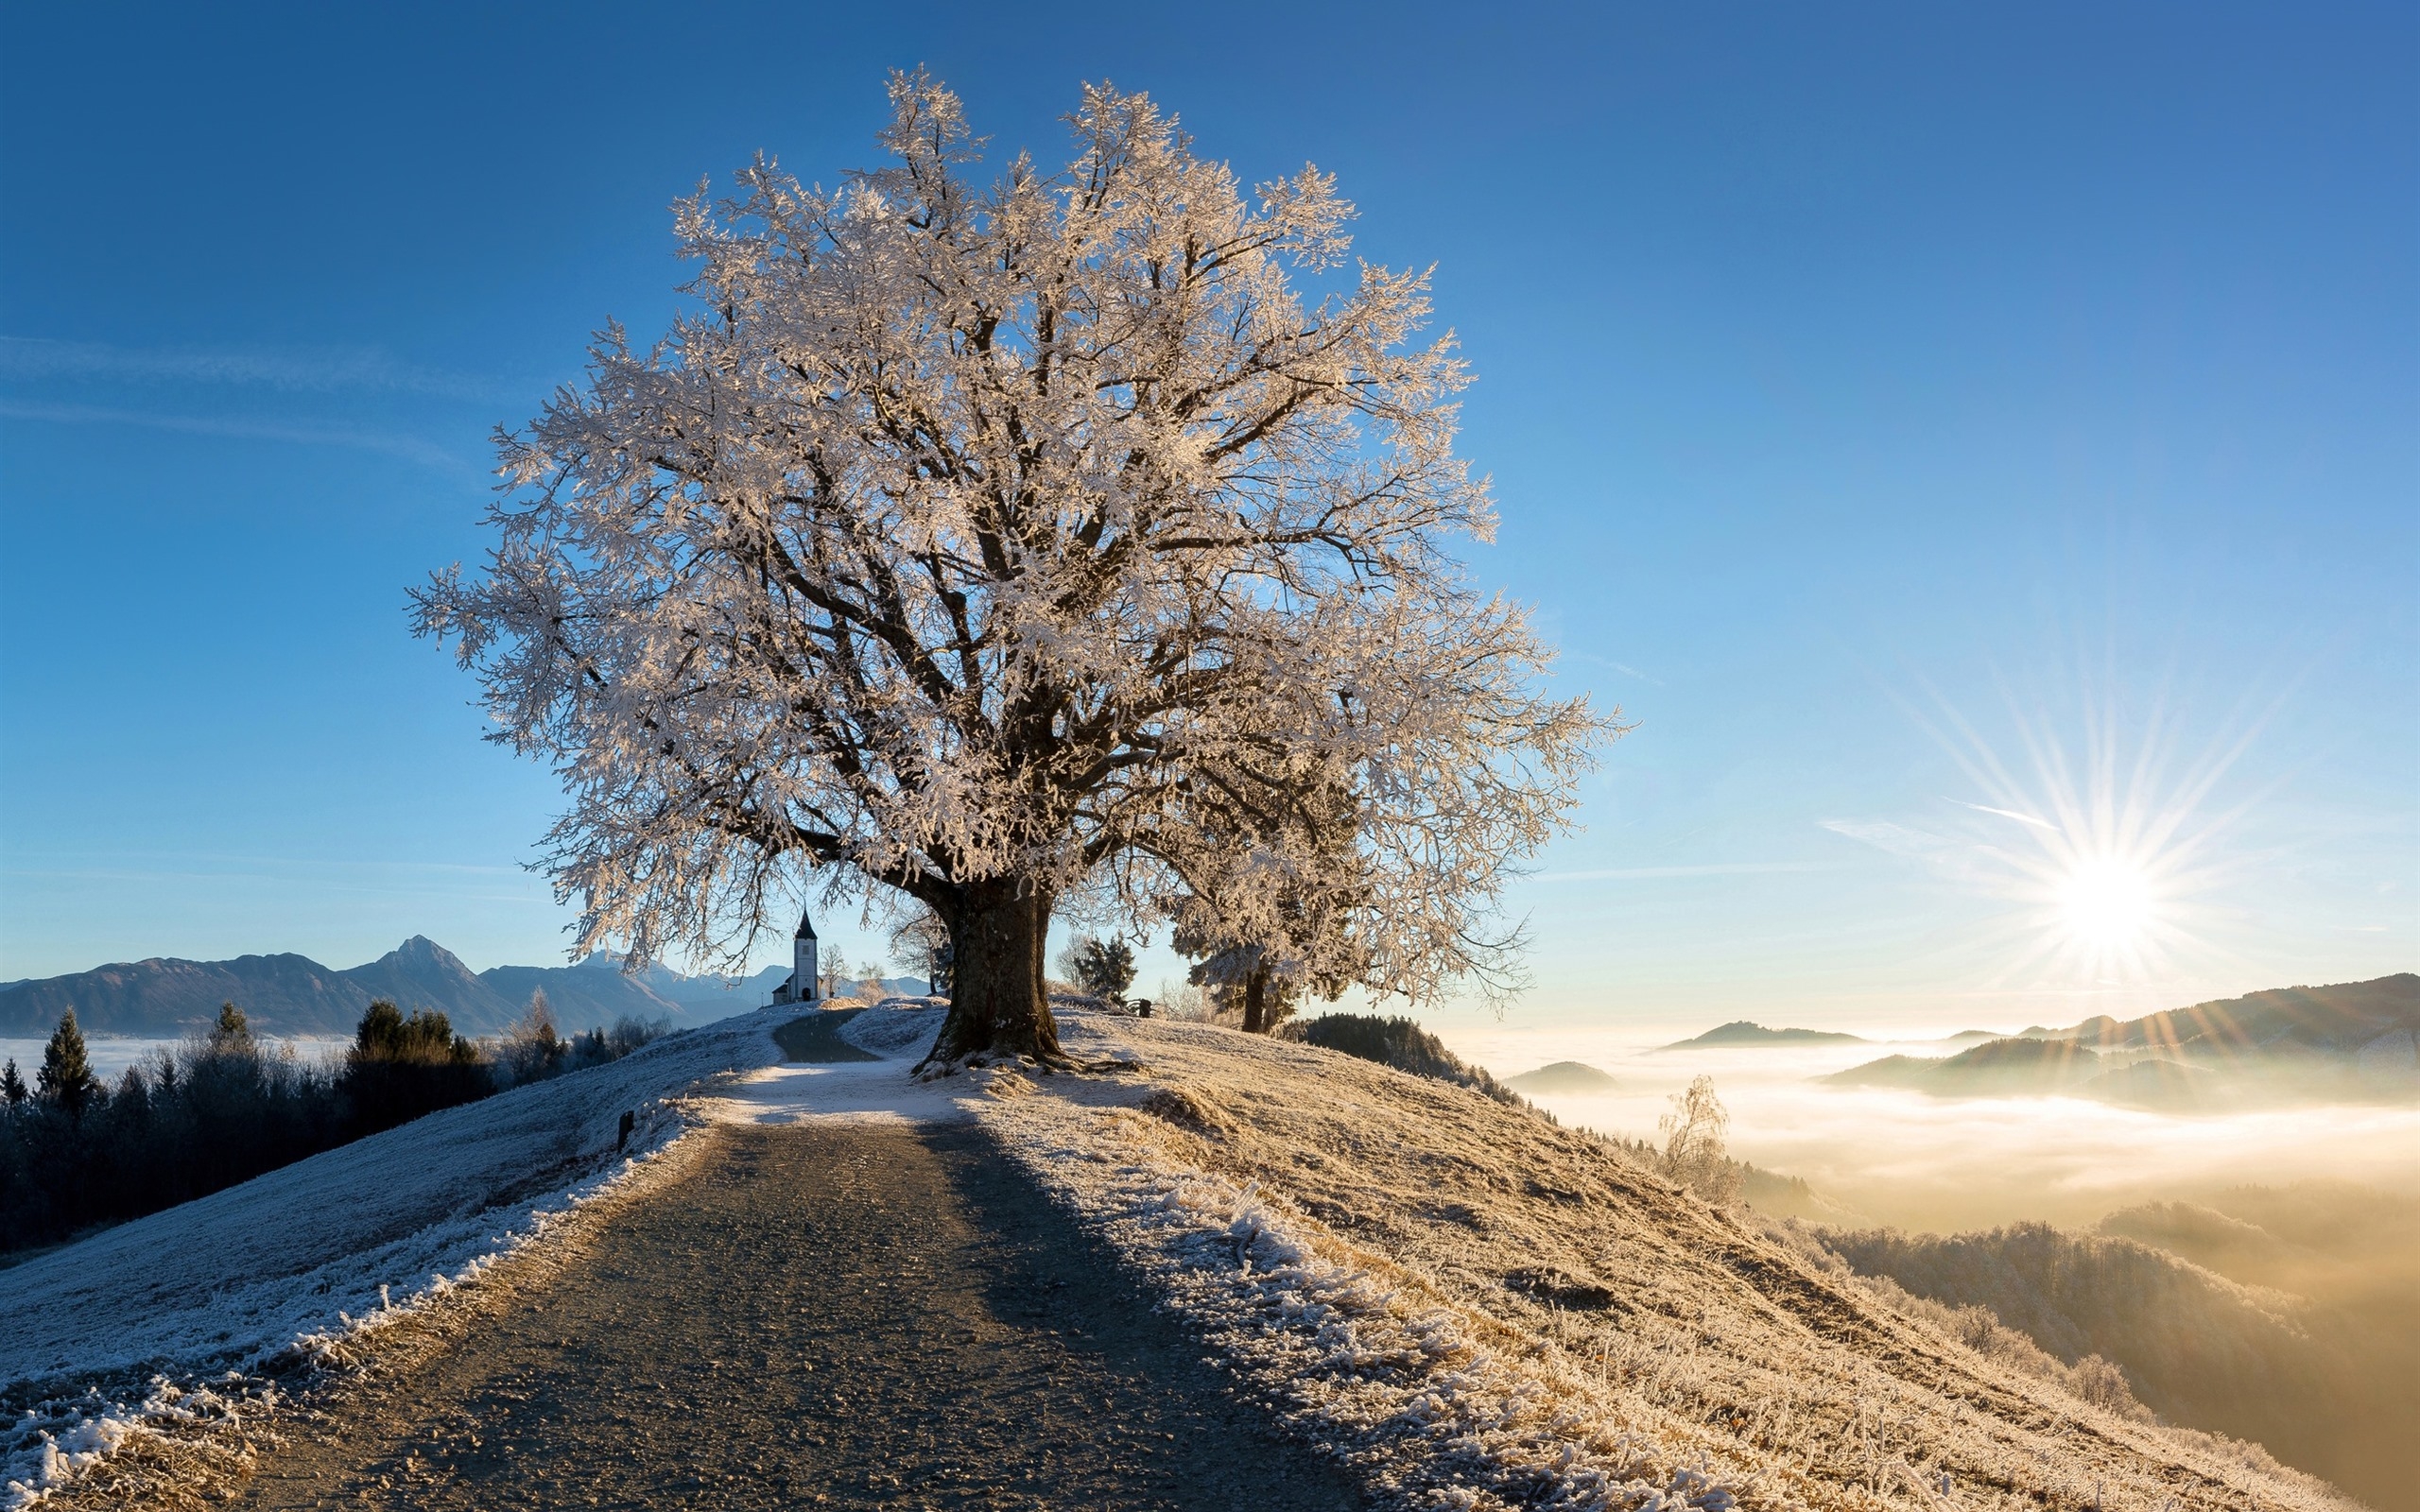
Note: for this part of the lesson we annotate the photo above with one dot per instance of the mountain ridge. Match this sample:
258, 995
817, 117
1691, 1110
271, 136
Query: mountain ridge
2183, 1059
292, 994
1743, 1032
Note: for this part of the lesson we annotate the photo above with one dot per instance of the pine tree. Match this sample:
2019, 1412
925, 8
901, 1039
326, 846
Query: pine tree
233, 1031
12, 1086
67, 1077
1105, 969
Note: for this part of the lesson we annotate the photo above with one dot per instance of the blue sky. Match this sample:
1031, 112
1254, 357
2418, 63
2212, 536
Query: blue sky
1871, 395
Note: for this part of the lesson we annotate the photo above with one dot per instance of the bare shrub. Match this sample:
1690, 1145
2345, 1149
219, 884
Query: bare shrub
2104, 1385
1693, 1152
531, 1050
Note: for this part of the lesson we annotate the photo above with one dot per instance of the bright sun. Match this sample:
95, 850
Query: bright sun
2105, 903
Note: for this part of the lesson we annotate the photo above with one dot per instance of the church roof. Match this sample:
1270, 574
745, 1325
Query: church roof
805, 929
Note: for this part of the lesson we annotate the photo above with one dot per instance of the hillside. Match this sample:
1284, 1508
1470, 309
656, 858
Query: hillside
2355, 1040
2340, 1020
1995, 1068
296, 995
1447, 1295
1640, 1311
2295, 1330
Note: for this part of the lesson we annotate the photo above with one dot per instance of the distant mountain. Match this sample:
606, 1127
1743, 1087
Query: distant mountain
2340, 1020
2351, 1038
1997, 1068
283, 994
1563, 1077
595, 992
421, 973
1746, 1034
294, 994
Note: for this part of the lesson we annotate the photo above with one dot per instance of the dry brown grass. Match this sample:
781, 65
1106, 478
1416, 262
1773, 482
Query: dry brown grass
1651, 1313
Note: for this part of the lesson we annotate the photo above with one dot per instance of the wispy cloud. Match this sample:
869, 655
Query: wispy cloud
1622, 667
2005, 813
323, 369
1899, 839
1714, 869
425, 453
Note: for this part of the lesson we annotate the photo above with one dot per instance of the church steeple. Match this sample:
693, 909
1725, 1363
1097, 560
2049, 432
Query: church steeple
803, 985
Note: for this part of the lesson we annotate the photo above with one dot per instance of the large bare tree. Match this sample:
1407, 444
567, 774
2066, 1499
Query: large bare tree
987, 542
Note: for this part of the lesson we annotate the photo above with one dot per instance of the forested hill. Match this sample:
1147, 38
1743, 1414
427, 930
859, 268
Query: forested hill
2341, 1018
2354, 1038
293, 994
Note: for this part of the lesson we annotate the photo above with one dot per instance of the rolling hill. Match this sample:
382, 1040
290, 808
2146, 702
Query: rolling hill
1742, 1033
1562, 1078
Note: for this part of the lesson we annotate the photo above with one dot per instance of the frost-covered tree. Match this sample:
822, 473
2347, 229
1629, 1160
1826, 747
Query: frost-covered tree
990, 543
1694, 1154
1104, 967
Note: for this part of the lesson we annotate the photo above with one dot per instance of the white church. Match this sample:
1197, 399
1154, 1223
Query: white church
802, 987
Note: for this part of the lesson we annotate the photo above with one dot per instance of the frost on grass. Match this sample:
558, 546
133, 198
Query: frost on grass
187, 1325
1419, 1396
897, 1028
1474, 1308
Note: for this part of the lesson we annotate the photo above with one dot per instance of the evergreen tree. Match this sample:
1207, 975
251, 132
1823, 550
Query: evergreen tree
12, 1086
67, 1077
232, 1031
1105, 969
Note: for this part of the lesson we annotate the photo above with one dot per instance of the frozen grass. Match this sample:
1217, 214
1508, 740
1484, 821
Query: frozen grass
1479, 1309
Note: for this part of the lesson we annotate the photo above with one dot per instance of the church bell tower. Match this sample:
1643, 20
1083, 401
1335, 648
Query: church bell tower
802, 960
803, 985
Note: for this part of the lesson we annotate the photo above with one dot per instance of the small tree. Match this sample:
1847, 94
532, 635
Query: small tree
993, 543
920, 945
1251, 979
533, 1048
1105, 969
836, 970
1693, 1153
233, 1033
12, 1086
67, 1079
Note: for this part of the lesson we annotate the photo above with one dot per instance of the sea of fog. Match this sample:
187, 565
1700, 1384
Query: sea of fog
111, 1054
1891, 1156
1947, 1164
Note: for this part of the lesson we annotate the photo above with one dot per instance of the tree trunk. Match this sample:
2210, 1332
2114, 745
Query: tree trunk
997, 1005
1257, 1003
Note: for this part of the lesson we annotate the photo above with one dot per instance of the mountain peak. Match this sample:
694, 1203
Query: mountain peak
422, 954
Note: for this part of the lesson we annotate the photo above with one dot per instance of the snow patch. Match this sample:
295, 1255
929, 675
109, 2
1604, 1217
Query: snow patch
897, 1027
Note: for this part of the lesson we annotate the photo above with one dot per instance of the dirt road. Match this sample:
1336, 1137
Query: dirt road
827, 1315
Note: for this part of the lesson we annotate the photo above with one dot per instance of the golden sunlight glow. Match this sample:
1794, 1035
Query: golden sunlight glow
2105, 903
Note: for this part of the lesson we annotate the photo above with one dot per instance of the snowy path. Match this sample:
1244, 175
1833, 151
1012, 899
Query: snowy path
844, 1312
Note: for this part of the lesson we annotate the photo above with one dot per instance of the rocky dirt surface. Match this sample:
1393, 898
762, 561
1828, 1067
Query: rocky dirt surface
834, 1314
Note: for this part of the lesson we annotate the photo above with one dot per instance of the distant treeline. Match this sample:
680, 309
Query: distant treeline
224, 1107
